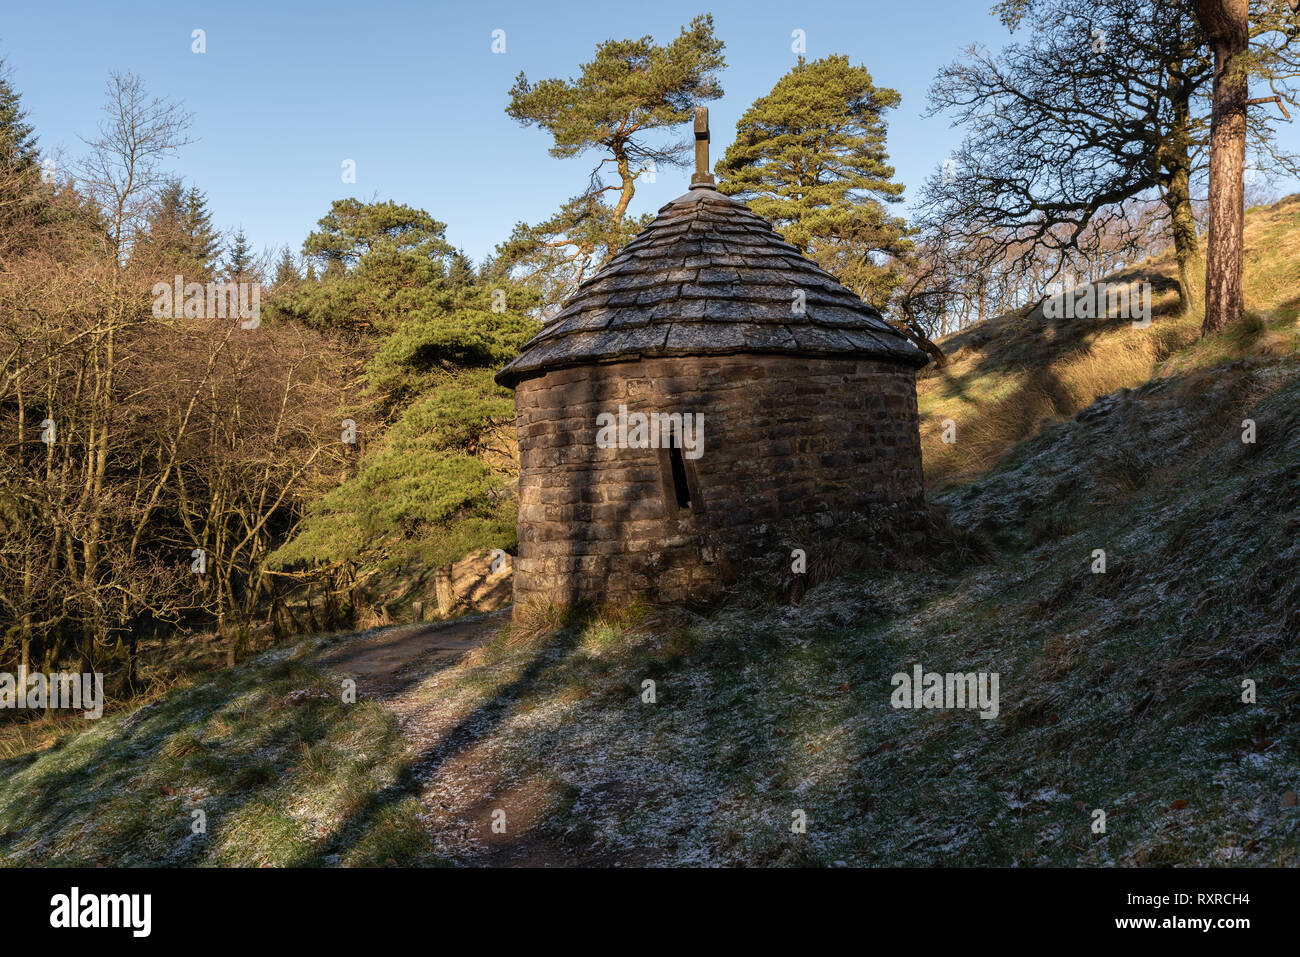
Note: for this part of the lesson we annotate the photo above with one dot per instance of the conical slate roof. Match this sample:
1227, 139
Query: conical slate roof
708, 277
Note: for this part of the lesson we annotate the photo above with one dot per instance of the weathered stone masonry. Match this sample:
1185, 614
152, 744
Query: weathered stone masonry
785, 437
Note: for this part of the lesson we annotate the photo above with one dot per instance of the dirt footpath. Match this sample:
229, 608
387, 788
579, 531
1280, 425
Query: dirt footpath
387, 663
456, 780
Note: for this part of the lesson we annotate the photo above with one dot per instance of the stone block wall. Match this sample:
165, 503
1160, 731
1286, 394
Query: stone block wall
788, 441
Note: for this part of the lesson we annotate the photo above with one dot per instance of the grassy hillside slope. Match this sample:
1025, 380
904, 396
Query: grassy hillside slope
1120, 692
1009, 376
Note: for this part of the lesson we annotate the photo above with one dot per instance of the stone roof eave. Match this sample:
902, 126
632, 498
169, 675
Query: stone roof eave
512, 375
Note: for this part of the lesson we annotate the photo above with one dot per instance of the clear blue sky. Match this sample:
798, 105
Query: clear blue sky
414, 94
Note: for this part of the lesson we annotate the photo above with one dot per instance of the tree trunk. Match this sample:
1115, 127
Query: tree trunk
1178, 194
626, 191
132, 661
1187, 251
443, 590
1226, 25
912, 329
929, 348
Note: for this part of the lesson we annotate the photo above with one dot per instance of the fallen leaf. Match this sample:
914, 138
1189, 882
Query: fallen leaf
168, 791
1179, 804
1289, 799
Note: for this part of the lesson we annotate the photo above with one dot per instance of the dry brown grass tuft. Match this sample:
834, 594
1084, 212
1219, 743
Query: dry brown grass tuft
533, 620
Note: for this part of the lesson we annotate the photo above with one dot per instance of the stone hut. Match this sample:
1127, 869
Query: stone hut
709, 400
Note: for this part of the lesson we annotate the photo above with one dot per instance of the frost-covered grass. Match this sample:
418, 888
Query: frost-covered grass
279, 780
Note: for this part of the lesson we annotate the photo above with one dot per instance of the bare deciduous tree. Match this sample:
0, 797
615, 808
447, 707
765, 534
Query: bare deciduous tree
122, 172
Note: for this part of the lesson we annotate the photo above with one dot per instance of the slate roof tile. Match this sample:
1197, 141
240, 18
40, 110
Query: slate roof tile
708, 276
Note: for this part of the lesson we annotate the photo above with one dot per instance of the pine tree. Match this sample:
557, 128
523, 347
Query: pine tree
429, 489
630, 89
810, 156
1247, 41
21, 189
239, 263
460, 271
178, 234
17, 142
163, 241
286, 271
203, 240
352, 230
384, 263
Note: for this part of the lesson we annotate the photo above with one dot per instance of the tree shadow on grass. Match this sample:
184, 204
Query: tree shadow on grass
479, 724
1028, 338
125, 794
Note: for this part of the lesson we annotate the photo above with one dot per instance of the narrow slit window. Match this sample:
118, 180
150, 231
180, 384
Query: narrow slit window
680, 485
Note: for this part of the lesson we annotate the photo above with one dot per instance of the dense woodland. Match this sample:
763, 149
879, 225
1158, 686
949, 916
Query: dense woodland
172, 470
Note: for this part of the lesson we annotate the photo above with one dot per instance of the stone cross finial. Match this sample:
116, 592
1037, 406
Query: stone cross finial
702, 177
